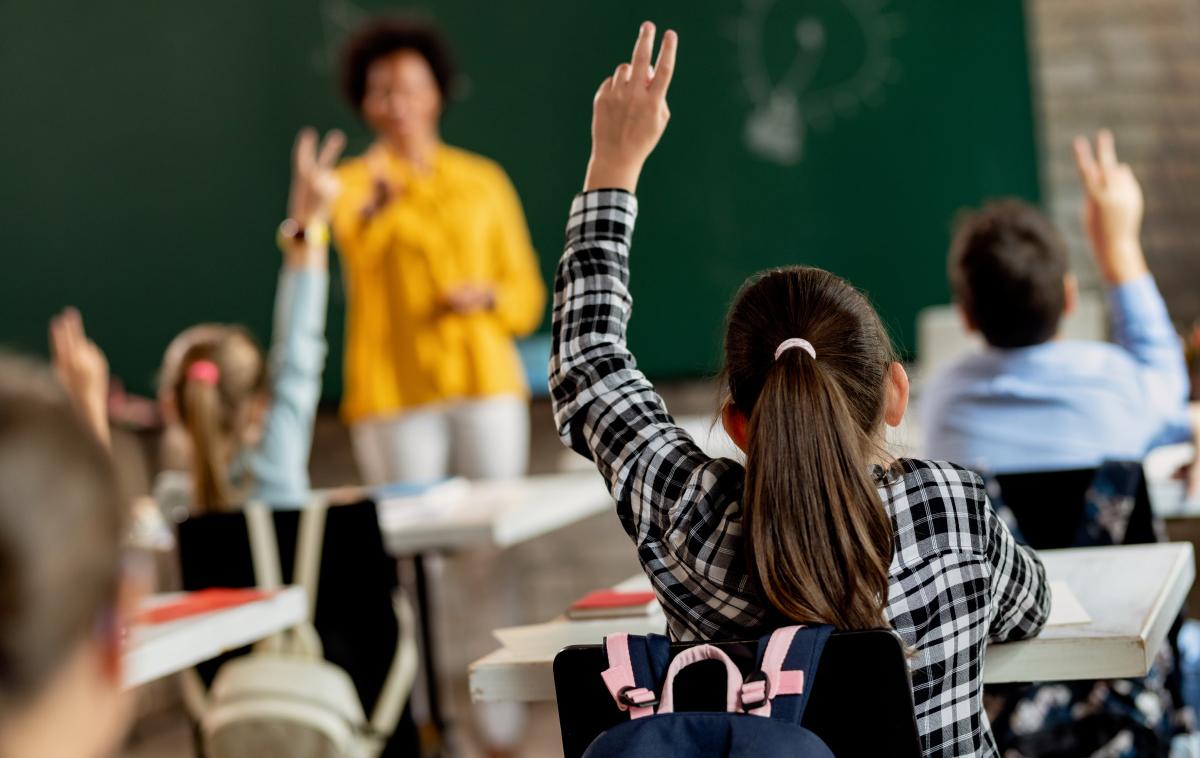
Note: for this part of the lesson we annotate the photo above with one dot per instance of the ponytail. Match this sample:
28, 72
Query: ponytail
807, 363
820, 541
210, 468
213, 385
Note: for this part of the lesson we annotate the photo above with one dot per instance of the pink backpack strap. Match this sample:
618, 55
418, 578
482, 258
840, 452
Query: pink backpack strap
786, 668
621, 682
771, 680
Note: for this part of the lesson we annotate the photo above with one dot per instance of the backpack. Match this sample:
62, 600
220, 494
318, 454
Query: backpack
284, 697
762, 711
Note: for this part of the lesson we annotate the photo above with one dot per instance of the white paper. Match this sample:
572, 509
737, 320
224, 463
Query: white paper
544, 640
1065, 608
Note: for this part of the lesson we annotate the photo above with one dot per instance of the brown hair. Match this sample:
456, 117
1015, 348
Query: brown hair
215, 409
819, 540
382, 37
61, 524
1006, 267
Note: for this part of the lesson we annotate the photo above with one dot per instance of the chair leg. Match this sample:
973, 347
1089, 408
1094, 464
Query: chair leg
438, 734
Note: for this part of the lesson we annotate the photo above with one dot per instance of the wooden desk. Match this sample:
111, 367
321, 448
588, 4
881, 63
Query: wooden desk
158, 650
502, 513
1132, 593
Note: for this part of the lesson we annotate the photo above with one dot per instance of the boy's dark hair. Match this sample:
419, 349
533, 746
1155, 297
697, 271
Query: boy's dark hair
382, 37
1007, 265
61, 525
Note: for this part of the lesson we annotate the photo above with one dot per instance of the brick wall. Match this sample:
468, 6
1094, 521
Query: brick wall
1134, 66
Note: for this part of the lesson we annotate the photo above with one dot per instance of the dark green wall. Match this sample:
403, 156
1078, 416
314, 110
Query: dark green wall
144, 151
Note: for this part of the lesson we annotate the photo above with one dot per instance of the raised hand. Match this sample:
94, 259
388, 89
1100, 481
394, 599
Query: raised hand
82, 369
629, 113
314, 185
1112, 211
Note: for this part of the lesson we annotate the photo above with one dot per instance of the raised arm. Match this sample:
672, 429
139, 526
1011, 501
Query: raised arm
82, 368
1112, 218
604, 406
279, 464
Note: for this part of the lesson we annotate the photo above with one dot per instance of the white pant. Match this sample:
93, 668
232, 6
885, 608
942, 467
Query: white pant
476, 439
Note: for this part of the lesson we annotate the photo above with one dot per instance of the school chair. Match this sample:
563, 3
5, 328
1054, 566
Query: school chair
1106, 505
861, 701
358, 607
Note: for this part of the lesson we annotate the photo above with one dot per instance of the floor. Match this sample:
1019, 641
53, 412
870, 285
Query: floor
479, 590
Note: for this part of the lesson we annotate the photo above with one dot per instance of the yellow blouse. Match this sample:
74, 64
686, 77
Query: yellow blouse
458, 223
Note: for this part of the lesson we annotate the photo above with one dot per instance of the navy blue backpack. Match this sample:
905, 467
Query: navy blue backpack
762, 711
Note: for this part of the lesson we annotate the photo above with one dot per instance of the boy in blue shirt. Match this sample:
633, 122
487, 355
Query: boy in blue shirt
1032, 401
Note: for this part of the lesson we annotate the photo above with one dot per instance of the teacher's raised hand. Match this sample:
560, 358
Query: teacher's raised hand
629, 113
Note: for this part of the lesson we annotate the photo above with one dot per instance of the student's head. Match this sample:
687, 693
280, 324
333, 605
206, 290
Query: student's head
1008, 270
398, 74
61, 525
216, 384
819, 540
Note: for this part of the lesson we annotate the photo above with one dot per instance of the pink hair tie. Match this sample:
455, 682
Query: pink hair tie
205, 372
788, 344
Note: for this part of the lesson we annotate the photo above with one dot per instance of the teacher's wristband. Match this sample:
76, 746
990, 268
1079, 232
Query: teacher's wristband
291, 235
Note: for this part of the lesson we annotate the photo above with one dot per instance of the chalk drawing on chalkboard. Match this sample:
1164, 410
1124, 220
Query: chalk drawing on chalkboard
805, 95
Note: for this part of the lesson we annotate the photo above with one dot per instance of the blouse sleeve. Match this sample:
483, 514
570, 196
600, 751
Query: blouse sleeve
520, 292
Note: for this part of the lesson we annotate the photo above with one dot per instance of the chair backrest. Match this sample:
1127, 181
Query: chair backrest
861, 702
354, 615
1058, 509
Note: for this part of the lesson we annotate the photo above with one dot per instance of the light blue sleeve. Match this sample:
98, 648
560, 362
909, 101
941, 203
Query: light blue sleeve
1141, 325
279, 463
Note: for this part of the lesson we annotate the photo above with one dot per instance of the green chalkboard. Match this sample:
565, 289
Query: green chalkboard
144, 150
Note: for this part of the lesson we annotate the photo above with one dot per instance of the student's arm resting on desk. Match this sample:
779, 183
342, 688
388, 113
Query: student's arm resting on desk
1020, 591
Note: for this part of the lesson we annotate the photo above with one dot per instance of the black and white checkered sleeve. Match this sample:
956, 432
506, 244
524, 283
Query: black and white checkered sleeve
604, 407
1020, 592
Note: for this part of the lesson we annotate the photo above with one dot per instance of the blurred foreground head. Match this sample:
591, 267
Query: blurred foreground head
61, 526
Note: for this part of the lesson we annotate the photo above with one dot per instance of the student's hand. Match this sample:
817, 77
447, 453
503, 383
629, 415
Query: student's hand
1112, 212
83, 371
469, 298
314, 188
314, 184
629, 114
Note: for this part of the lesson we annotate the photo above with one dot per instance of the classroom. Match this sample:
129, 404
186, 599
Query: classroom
329, 427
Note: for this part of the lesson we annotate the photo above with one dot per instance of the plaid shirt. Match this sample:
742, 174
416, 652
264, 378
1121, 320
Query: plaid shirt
957, 578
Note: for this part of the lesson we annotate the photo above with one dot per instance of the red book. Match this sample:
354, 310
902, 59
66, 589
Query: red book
196, 603
610, 603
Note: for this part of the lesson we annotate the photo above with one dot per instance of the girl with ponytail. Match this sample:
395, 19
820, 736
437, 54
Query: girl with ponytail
242, 428
237, 427
819, 524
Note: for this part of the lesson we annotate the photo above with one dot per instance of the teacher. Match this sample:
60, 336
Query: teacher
440, 274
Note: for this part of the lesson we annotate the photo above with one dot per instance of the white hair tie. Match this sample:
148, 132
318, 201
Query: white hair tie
788, 344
